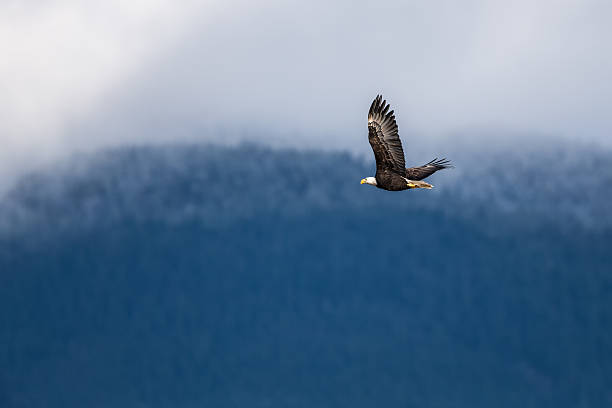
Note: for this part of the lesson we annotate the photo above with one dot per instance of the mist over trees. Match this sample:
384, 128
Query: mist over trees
209, 276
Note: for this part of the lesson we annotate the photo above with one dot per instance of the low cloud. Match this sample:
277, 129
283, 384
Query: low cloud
79, 77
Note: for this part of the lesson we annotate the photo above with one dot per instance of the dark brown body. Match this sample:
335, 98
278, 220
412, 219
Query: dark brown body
389, 180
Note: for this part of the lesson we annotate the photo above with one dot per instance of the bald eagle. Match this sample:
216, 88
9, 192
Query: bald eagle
391, 173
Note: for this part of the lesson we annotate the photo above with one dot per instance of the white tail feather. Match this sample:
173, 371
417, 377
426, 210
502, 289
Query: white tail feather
418, 184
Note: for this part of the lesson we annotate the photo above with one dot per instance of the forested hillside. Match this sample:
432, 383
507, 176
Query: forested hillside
192, 276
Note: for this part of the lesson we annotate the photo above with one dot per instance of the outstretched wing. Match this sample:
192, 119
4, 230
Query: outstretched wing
384, 139
426, 170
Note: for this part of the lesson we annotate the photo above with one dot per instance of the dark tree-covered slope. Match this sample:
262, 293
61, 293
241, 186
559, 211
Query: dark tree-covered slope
229, 277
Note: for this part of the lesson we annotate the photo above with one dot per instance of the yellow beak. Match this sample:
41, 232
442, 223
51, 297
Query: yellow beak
363, 181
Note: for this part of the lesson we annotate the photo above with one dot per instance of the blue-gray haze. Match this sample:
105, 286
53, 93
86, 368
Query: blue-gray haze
181, 222
245, 277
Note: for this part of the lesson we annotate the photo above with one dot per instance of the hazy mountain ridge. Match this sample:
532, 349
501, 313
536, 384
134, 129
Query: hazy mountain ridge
222, 185
206, 276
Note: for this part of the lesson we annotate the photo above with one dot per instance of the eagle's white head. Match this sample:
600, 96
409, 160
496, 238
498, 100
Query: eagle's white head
369, 180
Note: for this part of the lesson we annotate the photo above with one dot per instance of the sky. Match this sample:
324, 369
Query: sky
80, 76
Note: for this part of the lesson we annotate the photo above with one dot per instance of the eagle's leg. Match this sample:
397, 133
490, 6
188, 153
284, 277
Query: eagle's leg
417, 184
